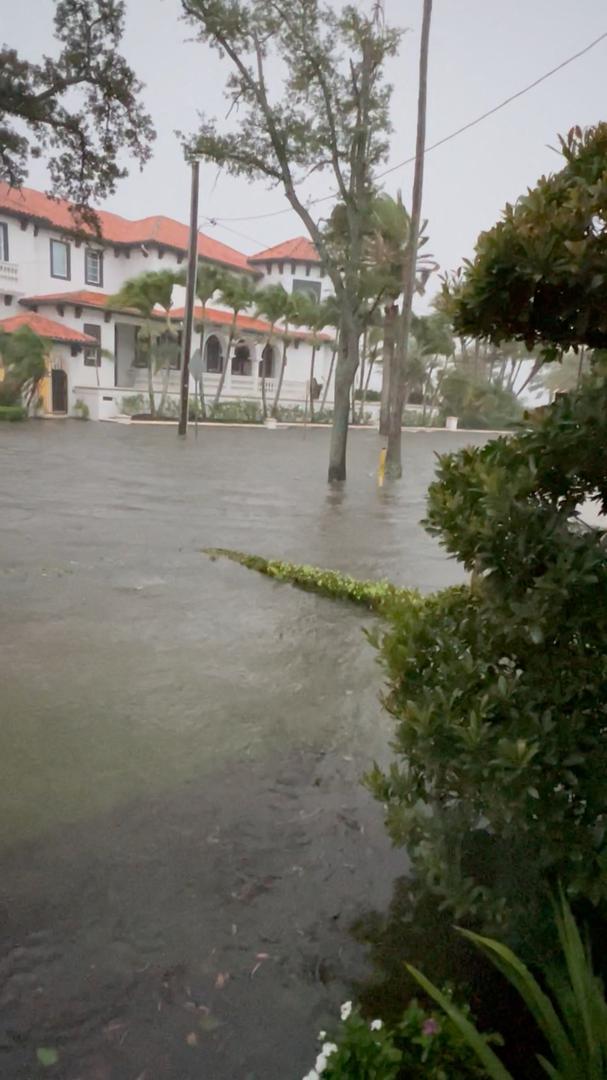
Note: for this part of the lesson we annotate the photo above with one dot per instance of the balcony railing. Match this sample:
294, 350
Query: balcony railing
9, 271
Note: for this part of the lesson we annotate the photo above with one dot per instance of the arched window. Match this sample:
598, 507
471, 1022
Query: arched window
266, 364
241, 359
213, 355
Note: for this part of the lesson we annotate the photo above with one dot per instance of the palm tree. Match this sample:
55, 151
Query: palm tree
143, 293
332, 319
237, 294
309, 312
433, 339
373, 343
272, 304
296, 311
385, 258
209, 279
24, 355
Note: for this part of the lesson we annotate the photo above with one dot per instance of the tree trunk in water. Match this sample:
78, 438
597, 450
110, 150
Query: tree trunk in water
390, 315
347, 364
312, 363
328, 382
283, 364
394, 467
224, 371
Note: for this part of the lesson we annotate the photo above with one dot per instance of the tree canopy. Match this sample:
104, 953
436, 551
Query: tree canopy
81, 109
540, 274
308, 94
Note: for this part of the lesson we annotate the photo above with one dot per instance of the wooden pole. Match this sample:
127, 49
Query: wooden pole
189, 301
397, 393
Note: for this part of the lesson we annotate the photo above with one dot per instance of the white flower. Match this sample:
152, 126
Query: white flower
321, 1035
376, 1025
320, 1063
328, 1048
312, 1075
346, 1009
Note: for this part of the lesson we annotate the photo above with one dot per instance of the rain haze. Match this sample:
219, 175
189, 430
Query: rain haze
236, 814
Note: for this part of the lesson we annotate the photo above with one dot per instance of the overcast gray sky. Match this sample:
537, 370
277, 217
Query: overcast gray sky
481, 52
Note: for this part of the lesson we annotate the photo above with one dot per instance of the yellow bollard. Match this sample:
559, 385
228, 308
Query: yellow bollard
381, 469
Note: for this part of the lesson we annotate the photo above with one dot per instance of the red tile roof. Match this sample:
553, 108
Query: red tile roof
46, 328
299, 249
244, 322
164, 231
83, 298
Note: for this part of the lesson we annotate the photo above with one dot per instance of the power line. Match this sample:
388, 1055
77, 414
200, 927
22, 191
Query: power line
236, 232
440, 142
502, 104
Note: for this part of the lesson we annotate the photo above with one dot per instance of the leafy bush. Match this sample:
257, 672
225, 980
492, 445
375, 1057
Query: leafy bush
422, 1046
573, 1020
499, 690
13, 413
10, 393
237, 412
413, 419
478, 403
82, 410
375, 595
371, 395
132, 404
537, 276
170, 409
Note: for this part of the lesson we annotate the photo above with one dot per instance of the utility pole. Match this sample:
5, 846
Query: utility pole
189, 300
394, 468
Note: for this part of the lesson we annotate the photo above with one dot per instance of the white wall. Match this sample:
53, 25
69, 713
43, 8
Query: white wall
31, 255
287, 277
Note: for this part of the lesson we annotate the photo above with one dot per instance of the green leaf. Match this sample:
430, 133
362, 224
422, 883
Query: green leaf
47, 1056
534, 997
472, 1036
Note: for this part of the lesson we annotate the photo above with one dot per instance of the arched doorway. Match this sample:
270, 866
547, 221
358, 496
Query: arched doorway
266, 364
59, 390
241, 360
213, 355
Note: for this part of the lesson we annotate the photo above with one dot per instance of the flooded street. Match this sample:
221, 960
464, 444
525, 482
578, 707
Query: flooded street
184, 842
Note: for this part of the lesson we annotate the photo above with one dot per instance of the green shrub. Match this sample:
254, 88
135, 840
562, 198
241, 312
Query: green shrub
499, 690
371, 395
133, 404
423, 1046
82, 410
10, 393
375, 595
170, 409
572, 1020
478, 403
236, 412
13, 413
413, 419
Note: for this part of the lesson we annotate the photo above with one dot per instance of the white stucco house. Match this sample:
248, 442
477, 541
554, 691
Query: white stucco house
59, 279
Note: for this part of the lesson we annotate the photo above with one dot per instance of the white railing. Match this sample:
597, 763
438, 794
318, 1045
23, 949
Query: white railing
235, 387
9, 271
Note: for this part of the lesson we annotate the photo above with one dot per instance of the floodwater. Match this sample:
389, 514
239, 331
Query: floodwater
184, 842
